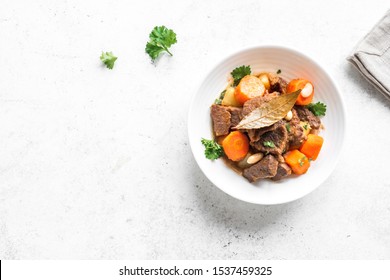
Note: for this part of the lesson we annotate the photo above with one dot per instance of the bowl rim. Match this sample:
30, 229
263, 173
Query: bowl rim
283, 48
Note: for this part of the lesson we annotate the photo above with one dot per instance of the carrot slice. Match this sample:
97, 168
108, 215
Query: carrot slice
236, 145
298, 162
307, 90
248, 88
312, 146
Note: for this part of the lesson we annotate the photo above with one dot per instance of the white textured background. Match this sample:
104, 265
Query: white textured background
96, 164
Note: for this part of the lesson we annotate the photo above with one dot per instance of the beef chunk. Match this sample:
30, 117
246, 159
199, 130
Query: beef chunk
276, 135
224, 118
221, 119
283, 171
265, 168
279, 158
256, 102
314, 131
277, 83
305, 114
296, 135
255, 134
235, 115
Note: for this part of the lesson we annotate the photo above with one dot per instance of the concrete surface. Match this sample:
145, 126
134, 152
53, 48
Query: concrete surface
95, 164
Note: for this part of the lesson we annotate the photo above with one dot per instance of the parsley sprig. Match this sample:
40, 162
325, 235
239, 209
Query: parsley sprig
212, 149
108, 58
318, 109
160, 39
239, 73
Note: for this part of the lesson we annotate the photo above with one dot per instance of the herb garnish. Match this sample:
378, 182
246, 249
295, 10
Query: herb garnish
318, 109
288, 127
218, 101
161, 38
305, 126
279, 71
301, 161
212, 149
239, 73
108, 59
269, 144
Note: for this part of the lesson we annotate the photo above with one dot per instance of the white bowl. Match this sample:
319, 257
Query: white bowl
293, 64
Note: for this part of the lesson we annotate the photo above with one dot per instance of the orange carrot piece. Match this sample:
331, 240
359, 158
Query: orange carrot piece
307, 90
248, 88
236, 145
298, 162
312, 146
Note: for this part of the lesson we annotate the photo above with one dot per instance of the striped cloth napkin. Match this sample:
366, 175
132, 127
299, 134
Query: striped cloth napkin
372, 56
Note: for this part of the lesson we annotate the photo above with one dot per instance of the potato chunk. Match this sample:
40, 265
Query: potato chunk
229, 99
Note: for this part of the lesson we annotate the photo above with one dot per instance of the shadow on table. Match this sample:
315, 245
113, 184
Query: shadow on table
356, 78
222, 209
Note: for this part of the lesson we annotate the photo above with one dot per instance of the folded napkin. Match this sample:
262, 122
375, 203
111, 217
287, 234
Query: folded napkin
372, 56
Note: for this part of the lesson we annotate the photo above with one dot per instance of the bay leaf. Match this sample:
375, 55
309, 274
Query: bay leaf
269, 112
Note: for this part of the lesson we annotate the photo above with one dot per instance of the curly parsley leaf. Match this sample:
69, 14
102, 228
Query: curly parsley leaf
239, 73
153, 50
318, 109
269, 144
108, 59
212, 149
161, 39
